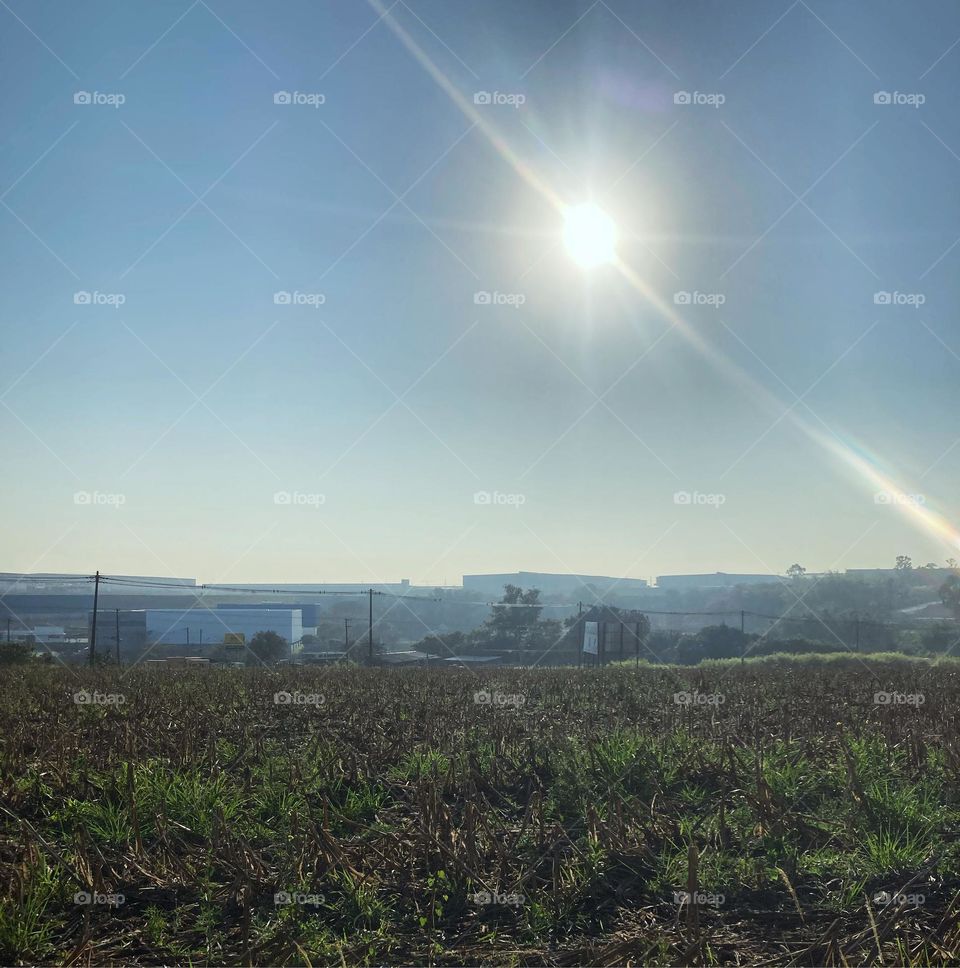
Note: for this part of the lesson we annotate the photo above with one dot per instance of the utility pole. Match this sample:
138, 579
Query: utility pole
857, 632
370, 626
118, 636
621, 640
8, 630
579, 635
93, 626
346, 637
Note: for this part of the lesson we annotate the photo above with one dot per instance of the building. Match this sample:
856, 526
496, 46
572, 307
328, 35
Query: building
719, 579
195, 626
171, 626
401, 587
309, 611
552, 584
57, 583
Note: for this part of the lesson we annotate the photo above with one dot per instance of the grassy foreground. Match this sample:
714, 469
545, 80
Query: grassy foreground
773, 813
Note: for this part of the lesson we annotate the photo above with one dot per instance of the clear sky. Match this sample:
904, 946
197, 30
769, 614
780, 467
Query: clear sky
164, 434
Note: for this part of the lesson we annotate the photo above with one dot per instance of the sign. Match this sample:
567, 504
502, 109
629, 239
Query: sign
591, 638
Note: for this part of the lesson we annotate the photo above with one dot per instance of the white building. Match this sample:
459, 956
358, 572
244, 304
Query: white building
171, 626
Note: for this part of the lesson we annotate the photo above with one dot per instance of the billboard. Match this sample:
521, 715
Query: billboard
591, 638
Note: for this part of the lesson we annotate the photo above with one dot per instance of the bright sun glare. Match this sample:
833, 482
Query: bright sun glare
590, 235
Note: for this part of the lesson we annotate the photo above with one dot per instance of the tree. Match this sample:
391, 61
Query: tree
796, 571
517, 610
904, 563
15, 653
939, 637
713, 642
950, 594
268, 647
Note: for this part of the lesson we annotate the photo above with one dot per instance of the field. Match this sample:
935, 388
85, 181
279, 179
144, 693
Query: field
769, 813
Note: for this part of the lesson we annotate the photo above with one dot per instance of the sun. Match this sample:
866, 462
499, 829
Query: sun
590, 235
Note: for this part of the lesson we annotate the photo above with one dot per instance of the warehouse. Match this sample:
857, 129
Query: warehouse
196, 626
309, 610
171, 626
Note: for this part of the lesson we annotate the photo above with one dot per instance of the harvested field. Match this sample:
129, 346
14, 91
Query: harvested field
768, 813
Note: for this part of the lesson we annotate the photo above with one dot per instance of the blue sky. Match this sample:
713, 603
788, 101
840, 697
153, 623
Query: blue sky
386, 408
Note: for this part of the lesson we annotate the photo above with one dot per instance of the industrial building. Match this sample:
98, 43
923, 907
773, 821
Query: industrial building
719, 579
310, 611
551, 584
196, 626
